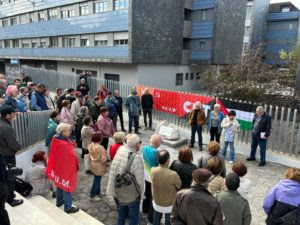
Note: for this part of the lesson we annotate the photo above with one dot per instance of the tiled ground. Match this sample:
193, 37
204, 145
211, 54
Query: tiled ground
105, 210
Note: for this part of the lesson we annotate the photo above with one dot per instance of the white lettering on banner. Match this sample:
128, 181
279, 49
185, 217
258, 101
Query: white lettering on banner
157, 94
186, 105
57, 180
169, 109
165, 131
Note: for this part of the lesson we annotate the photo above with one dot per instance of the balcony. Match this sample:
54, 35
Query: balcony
203, 29
94, 23
201, 55
203, 4
90, 54
282, 34
275, 49
185, 57
283, 16
187, 29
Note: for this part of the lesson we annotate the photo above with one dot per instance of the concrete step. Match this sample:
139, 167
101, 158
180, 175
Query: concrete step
29, 214
15, 218
81, 217
53, 212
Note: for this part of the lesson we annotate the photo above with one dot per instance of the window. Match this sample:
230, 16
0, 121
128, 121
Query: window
202, 45
32, 19
53, 14
68, 42
71, 13
41, 16
53, 41
291, 26
203, 15
34, 45
100, 7
64, 14
179, 79
186, 76
198, 76
285, 9
101, 42
121, 4
43, 44
15, 43
25, 45
85, 42
4, 23
84, 10
6, 44
13, 21
121, 42
192, 76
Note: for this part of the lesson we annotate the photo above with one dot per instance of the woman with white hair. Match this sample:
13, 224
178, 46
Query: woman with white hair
11, 97
215, 119
63, 174
196, 120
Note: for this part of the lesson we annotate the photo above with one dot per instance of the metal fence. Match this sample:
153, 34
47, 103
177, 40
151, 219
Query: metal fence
285, 134
31, 127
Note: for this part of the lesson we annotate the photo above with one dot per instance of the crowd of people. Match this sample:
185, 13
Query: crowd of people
179, 191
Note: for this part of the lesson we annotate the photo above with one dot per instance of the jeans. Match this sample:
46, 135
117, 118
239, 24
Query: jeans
96, 186
120, 114
224, 151
136, 122
133, 210
157, 218
114, 120
262, 145
147, 202
63, 197
149, 113
10, 184
214, 134
197, 129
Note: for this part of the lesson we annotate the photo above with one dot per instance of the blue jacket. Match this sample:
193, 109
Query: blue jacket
282, 199
11, 102
133, 105
38, 102
220, 119
112, 106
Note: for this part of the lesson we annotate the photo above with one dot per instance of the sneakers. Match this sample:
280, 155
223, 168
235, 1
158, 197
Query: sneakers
230, 162
191, 146
261, 164
250, 159
95, 199
74, 209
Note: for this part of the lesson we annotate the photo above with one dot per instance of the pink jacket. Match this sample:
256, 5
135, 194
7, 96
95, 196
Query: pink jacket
67, 117
105, 126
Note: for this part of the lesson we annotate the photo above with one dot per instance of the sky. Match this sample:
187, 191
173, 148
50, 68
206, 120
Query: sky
295, 2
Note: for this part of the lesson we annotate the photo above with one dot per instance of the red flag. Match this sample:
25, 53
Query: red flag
166, 101
63, 165
223, 108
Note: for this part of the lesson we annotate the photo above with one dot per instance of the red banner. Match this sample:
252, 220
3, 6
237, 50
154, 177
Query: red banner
166, 101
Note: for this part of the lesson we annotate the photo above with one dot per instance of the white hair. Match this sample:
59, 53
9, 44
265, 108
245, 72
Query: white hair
197, 104
154, 138
260, 108
217, 106
132, 140
62, 127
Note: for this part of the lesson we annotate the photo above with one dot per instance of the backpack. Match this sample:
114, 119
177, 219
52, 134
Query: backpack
291, 218
22, 187
126, 187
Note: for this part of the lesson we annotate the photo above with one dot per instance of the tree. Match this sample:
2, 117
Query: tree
250, 80
292, 58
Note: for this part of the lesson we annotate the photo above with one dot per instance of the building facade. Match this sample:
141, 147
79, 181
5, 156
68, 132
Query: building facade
283, 31
163, 43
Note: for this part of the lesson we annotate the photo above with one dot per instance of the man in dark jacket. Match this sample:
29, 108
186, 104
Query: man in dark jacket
8, 148
70, 95
260, 133
147, 105
38, 101
95, 109
196, 205
83, 87
120, 109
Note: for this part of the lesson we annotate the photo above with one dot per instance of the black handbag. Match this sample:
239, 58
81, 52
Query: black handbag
22, 187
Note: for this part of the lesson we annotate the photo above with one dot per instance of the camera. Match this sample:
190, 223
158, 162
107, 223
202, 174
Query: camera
11, 172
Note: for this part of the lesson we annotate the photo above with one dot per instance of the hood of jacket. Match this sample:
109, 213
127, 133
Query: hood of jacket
290, 188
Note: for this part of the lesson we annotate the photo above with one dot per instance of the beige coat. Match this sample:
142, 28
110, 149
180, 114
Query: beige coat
98, 159
165, 184
86, 136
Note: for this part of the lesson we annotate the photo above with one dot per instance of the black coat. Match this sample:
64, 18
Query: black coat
264, 125
120, 101
147, 101
84, 89
184, 170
